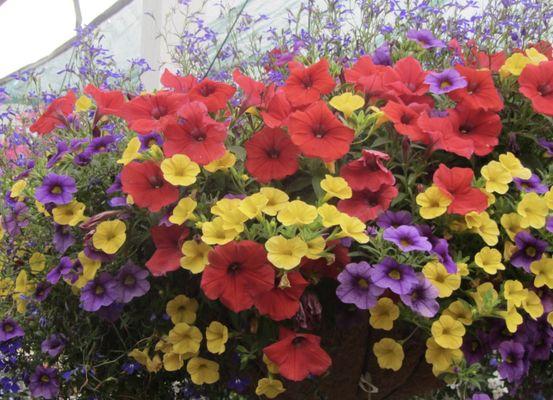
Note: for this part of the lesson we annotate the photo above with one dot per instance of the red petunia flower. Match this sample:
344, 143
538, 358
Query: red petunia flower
480, 92
458, 183
367, 205
253, 90
368, 172
369, 79
318, 133
145, 183
237, 272
270, 154
305, 85
214, 95
481, 59
282, 302
278, 111
180, 84
107, 102
151, 112
544, 47
480, 127
404, 117
195, 134
168, 241
442, 136
298, 355
55, 115
320, 268
406, 78
536, 83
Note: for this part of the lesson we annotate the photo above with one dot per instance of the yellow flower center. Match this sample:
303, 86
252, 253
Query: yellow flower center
362, 283
394, 274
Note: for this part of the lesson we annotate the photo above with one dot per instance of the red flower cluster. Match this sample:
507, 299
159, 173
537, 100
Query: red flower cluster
372, 185
298, 355
457, 182
168, 241
55, 115
536, 83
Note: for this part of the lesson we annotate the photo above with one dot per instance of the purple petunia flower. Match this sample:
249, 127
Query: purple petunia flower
473, 349
549, 224
44, 382
42, 291
100, 145
57, 189
63, 238
382, 55
512, 366
15, 218
100, 292
82, 159
62, 269
111, 313
445, 81
480, 396
394, 219
61, 150
389, 274
10, 329
132, 282
529, 249
147, 141
425, 38
422, 298
407, 238
533, 184
53, 345
356, 286
547, 145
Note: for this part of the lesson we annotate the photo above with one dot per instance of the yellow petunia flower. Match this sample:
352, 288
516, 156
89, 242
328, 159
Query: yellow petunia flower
69, 214
543, 269
442, 280
214, 232
182, 309
433, 202
183, 211
315, 247
347, 103
548, 197
389, 354
142, 357
483, 225
221, 164
384, 314
485, 297
514, 293
533, 210
269, 387
335, 186
532, 305
90, 268
271, 366
354, 228
229, 211
512, 224
497, 177
489, 260
216, 335
109, 236
180, 170
6, 286
330, 215
512, 319
37, 262
459, 311
514, 64
185, 338
285, 253
195, 256
440, 357
173, 361
202, 371
448, 332
297, 212
462, 269
83, 103
131, 152
276, 200
514, 166
17, 188
253, 205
